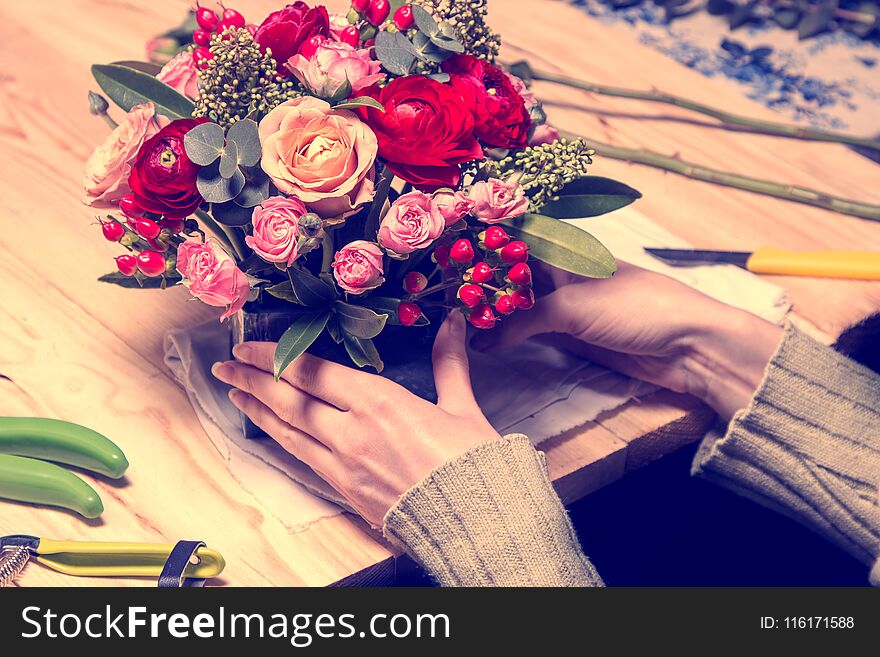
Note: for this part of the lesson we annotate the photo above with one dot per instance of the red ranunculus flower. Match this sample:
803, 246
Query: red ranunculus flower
285, 30
425, 133
163, 179
500, 116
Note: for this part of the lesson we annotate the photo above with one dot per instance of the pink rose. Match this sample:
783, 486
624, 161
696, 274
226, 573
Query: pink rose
322, 156
338, 22
181, 75
109, 166
454, 206
543, 134
333, 64
496, 200
413, 222
276, 229
357, 267
212, 276
525, 93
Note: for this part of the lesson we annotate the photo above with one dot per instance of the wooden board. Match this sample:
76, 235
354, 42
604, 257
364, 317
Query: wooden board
72, 348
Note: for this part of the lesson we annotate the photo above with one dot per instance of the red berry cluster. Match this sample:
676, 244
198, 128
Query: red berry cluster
211, 23
376, 12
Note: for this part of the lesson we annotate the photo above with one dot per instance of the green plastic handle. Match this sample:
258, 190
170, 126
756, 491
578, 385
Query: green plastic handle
61, 442
38, 482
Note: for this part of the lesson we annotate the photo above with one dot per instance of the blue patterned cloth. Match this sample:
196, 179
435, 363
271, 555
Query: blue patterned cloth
830, 81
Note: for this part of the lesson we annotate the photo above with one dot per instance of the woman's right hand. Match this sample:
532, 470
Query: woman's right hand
650, 327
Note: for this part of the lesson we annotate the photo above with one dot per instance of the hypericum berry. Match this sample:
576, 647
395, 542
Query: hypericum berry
151, 263
408, 313
127, 264
481, 273
514, 252
233, 17
403, 18
350, 35
359, 5
129, 207
310, 46
157, 244
482, 317
495, 237
504, 304
377, 11
461, 252
113, 230
147, 228
520, 274
173, 226
206, 18
226, 28
415, 282
202, 38
201, 56
523, 299
441, 256
471, 295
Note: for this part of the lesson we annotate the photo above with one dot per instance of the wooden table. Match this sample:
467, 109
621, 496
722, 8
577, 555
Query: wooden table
91, 353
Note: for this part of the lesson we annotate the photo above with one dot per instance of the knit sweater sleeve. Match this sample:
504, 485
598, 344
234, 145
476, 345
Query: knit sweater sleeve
808, 446
491, 518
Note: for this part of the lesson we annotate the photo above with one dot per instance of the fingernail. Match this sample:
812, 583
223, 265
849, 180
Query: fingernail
222, 370
456, 323
236, 396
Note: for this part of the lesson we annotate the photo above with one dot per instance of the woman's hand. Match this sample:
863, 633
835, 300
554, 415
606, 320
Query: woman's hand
651, 327
368, 437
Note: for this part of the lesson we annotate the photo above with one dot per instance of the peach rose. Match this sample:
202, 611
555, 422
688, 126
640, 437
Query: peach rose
276, 229
322, 156
357, 267
181, 75
108, 167
454, 206
332, 66
495, 200
212, 276
413, 222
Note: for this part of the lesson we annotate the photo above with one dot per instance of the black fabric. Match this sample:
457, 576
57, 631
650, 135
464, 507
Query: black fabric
172, 575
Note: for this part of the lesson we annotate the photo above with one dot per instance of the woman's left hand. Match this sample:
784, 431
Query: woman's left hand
368, 437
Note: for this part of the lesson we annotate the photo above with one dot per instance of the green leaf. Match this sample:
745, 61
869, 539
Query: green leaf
140, 282
361, 101
204, 144
388, 306
144, 67
564, 246
231, 214
359, 321
214, 188
309, 290
245, 134
334, 330
521, 69
128, 87
284, 291
590, 196
302, 333
363, 352
396, 52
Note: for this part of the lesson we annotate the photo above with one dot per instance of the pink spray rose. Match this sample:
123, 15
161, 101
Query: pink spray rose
338, 22
334, 63
108, 168
413, 222
213, 276
276, 229
357, 267
454, 206
322, 156
181, 75
544, 133
496, 200
525, 93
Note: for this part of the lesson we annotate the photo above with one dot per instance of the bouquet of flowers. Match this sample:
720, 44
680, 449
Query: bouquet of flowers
368, 169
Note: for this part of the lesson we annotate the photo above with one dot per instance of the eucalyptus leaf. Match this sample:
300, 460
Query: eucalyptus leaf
309, 290
140, 282
231, 214
442, 78
564, 246
245, 134
427, 51
396, 52
424, 21
204, 143
127, 87
302, 333
255, 190
229, 160
363, 352
361, 101
448, 44
214, 188
388, 306
590, 196
359, 321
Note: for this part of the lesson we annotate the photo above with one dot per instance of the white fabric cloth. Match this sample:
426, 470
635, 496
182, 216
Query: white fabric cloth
542, 392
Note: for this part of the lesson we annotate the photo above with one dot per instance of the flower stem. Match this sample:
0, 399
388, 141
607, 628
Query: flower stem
327, 244
727, 118
218, 231
768, 188
434, 288
382, 189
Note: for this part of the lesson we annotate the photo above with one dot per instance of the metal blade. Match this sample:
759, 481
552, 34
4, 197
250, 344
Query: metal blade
692, 257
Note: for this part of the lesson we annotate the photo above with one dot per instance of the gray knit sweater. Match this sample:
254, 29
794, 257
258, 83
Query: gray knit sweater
808, 445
